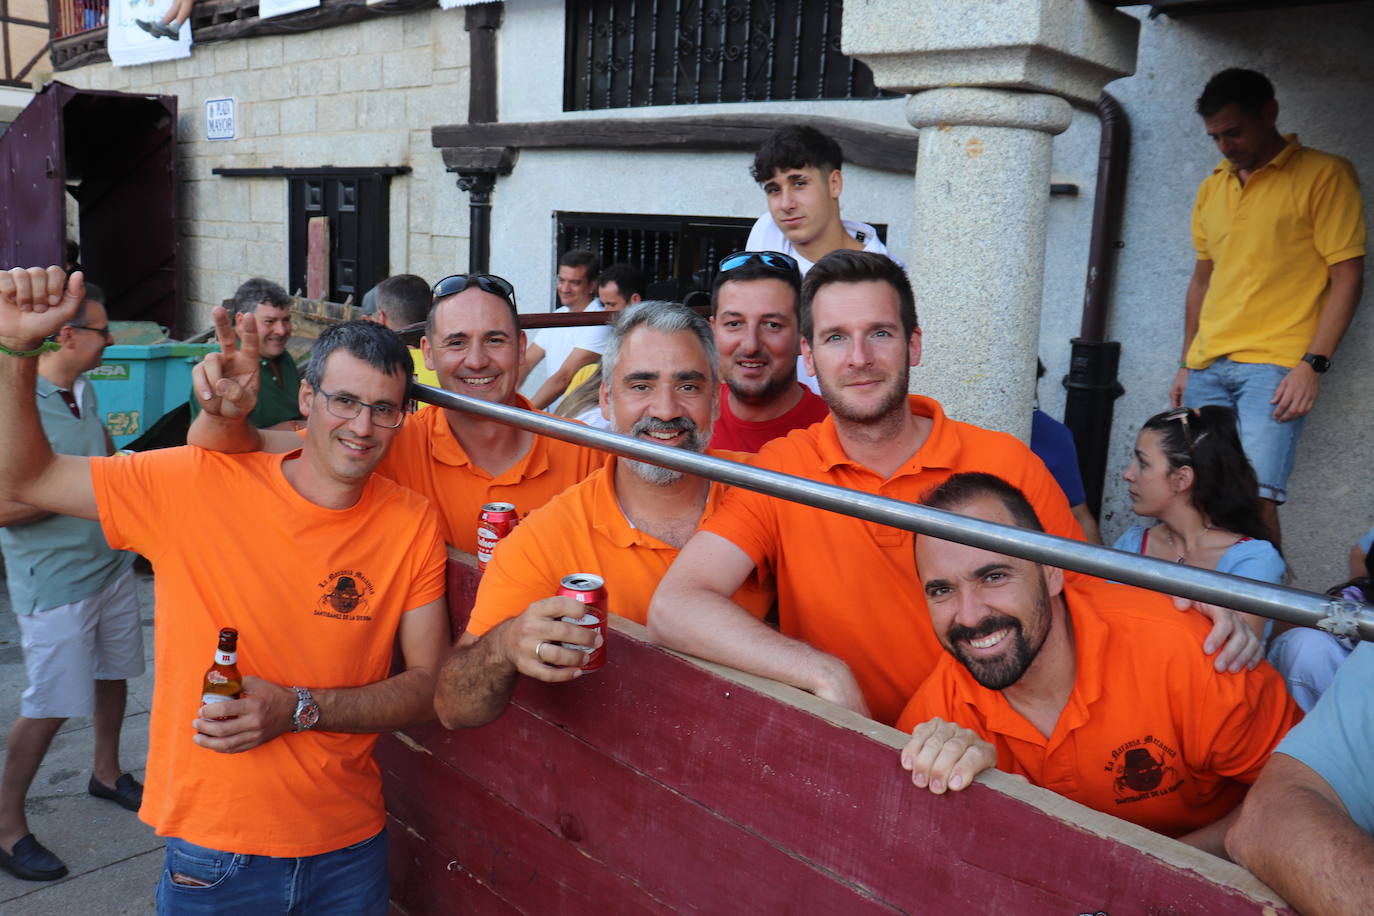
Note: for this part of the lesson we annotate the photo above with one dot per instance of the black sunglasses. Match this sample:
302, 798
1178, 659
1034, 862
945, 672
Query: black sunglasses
487, 283
773, 260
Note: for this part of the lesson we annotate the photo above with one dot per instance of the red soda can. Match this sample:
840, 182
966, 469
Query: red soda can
495, 521
591, 591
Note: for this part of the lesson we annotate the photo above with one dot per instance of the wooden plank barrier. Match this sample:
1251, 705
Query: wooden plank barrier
665, 784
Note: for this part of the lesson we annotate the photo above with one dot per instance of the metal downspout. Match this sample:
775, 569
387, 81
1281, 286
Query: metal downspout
1092, 380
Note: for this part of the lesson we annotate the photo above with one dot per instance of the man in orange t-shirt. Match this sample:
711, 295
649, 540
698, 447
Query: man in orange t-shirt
457, 461
1089, 688
625, 523
853, 627
276, 789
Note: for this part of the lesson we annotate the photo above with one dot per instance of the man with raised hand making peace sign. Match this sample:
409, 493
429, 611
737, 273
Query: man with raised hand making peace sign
275, 802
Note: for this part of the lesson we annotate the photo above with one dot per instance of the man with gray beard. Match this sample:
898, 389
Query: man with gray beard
625, 522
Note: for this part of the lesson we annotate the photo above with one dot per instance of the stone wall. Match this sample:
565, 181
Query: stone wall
364, 94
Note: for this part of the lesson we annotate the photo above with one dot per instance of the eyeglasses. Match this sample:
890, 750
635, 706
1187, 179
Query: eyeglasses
104, 332
346, 408
487, 283
773, 260
1182, 413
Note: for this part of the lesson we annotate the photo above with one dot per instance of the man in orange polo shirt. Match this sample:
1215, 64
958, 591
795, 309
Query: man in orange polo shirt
624, 523
853, 627
270, 802
1089, 688
457, 461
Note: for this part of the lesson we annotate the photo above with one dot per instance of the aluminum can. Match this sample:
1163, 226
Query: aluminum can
591, 591
495, 521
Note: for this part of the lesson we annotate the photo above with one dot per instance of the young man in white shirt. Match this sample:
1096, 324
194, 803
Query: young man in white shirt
799, 171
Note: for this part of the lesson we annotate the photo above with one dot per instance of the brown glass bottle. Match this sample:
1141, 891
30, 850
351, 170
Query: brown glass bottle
222, 680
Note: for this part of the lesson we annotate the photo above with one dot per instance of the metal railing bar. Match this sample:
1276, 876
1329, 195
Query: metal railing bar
1275, 601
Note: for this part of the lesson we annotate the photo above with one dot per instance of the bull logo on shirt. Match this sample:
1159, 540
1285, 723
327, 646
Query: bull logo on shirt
345, 596
1143, 769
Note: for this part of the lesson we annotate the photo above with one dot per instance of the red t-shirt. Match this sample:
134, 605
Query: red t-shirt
733, 434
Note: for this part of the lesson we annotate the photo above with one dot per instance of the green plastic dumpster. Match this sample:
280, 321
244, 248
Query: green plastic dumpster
138, 383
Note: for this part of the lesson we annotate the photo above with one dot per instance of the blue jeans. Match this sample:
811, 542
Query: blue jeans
1247, 388
348, 880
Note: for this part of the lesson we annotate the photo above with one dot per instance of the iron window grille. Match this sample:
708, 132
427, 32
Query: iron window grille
678, 254
630, 53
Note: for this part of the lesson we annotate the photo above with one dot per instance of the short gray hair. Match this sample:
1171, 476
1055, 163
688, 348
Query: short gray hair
256, 290
667, 318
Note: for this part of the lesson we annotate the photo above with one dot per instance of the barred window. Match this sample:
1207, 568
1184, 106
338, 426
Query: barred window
629, 53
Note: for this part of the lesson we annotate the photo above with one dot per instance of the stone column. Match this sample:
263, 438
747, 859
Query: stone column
992, 84
982, 190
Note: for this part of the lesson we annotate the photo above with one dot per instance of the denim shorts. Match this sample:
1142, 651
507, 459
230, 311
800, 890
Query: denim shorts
1247, 388
349, 880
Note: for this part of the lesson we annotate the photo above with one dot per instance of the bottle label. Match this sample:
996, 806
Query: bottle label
207, 698
214, 676
226, 658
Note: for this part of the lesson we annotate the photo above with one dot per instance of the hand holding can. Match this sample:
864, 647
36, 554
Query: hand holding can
590, 591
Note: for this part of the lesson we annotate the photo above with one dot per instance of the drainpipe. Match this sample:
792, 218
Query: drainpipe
1092, 380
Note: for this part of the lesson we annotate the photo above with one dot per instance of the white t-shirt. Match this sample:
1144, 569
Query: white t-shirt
559, 342
766, 236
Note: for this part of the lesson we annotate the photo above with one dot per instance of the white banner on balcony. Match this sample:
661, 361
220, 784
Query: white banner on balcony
270, 8
459, 4
138, 35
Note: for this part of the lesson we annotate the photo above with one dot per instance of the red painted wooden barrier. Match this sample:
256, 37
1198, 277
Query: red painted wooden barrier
663, 784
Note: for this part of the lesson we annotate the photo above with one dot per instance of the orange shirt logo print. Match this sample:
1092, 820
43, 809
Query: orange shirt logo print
344, 596
1141, 769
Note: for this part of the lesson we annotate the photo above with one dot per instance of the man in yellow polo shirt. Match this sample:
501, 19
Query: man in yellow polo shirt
1280, 238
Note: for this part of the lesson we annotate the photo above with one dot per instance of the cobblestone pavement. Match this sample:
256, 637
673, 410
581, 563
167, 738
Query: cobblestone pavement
113, 857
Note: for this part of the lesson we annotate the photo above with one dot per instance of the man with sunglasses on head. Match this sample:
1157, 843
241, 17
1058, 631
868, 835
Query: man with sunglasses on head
457, 461
624, 523
754, 314
851, 613
76, 602
270, 802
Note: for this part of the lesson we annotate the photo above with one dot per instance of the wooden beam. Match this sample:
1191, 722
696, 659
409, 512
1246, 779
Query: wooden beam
882, 148
481, 20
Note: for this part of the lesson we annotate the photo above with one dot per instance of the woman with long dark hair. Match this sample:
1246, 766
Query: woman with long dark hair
1191, 475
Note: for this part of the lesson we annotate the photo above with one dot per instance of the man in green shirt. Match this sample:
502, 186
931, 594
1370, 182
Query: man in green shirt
279, 390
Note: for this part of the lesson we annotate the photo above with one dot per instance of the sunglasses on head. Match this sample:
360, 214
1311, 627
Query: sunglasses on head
774, 260
487, 283
1182, 413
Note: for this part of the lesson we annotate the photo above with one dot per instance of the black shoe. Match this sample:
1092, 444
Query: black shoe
32, 861
127, 791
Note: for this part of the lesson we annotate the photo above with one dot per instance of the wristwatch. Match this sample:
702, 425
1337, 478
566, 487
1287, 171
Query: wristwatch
1318, 363
307, 712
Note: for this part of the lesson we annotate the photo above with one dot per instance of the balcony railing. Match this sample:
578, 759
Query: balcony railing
628, 53
71, 17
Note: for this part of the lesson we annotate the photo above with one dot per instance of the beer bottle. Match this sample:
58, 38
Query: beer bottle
222, 681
